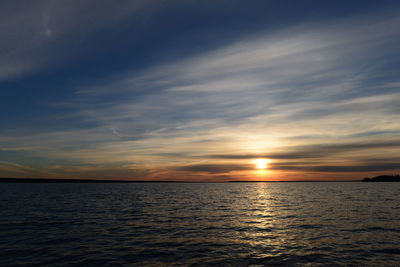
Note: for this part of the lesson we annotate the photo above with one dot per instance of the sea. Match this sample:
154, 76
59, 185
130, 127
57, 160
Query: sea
200, 224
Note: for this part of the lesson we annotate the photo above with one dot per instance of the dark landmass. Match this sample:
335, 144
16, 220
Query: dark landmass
383, 178
52, 180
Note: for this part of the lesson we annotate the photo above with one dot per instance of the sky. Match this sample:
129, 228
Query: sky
189, 90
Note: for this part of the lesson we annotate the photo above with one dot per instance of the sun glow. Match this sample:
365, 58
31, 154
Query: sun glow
261, 164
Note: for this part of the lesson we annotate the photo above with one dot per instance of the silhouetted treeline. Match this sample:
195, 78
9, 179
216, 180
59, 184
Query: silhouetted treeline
383, 178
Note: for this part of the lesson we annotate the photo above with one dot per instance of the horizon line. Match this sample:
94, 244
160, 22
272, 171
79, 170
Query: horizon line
77, 180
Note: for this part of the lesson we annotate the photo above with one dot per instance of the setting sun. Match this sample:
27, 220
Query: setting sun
261, 163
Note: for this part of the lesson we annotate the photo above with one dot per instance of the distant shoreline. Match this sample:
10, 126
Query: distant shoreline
53, 180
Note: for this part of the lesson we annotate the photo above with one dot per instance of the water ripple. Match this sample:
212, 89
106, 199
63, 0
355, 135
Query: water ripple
260, 224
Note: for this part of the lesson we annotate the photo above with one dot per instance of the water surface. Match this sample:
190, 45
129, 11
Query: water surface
200, 224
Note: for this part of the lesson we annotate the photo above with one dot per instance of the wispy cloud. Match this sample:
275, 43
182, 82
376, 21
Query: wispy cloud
315, 151
251, 97
215, 168
38, 34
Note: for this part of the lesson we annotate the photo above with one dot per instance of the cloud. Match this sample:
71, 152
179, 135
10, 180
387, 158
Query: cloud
314, 151
12, 168
304, 166
38, 34
296, 74
101, 171
352, 167
215, 168
359, 168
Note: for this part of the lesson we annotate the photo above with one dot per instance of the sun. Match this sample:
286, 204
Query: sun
261, 164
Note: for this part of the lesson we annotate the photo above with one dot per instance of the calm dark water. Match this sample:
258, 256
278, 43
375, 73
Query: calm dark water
234, 224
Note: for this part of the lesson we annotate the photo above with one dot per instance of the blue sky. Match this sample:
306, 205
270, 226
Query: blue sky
198, 90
